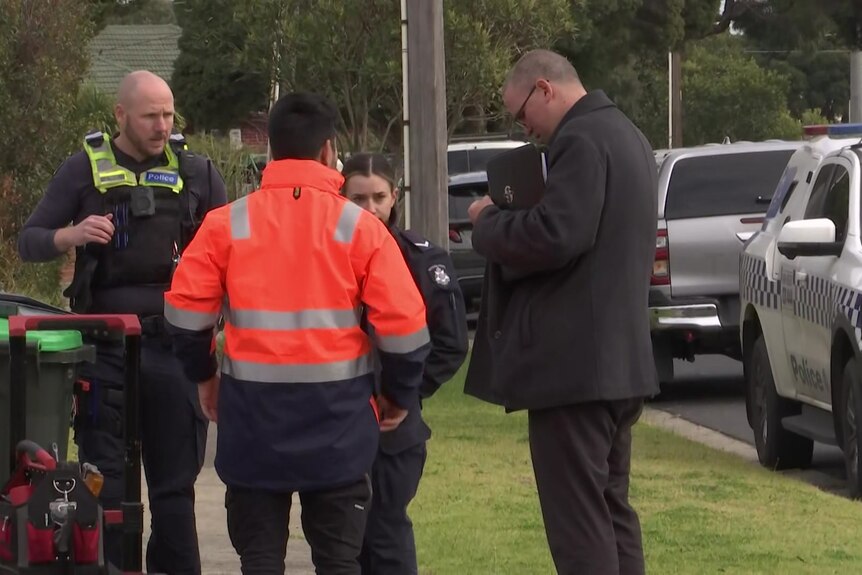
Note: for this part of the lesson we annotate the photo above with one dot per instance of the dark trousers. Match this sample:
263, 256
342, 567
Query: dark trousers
389, 547
582, 459
173, 441
333, 521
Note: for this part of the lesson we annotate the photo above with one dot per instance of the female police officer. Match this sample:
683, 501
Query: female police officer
389, 547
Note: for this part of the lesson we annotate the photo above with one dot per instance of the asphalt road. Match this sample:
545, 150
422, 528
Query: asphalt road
709, 392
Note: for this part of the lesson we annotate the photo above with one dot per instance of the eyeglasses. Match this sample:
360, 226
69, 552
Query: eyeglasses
519, 117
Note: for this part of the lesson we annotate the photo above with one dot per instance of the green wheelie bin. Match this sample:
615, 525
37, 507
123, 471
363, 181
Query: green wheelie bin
53, 359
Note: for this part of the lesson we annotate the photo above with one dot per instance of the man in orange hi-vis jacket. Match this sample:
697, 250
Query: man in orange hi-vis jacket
292, 267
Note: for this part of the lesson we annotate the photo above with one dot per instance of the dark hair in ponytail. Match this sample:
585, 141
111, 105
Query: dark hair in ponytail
370, 164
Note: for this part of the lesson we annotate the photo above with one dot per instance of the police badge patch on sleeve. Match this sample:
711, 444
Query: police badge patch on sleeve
439, 275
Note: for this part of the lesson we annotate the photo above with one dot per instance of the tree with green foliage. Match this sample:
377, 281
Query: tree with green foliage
41, 68
146, 12
638, 86
818, 79
95, 110
483, 39
615, 33
809, 43
793, 24
104, 12
729, 95
622, 47
217, 80
350, 50
847, 16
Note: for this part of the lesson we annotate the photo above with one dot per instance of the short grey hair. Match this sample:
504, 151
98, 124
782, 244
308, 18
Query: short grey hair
541, 64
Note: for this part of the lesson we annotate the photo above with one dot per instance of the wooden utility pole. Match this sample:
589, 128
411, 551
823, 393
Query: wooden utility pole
855, 114
428, 201
675, 100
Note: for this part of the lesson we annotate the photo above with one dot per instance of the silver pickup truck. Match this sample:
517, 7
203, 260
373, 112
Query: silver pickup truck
711, 200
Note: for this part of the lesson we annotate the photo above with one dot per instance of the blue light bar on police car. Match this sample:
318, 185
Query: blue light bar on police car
842, 130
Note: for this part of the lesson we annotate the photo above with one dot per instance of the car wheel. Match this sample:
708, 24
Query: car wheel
851, 412
777, 448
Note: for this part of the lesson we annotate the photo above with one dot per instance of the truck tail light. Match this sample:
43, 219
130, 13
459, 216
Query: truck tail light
661, 265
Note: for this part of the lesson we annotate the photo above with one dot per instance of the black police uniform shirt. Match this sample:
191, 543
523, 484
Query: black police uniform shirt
72, 197
434, 274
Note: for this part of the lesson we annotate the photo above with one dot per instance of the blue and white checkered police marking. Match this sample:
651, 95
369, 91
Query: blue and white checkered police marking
756, 285
818, 300
814, 301
849, 303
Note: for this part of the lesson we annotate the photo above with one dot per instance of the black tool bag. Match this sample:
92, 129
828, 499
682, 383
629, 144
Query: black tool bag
50, 521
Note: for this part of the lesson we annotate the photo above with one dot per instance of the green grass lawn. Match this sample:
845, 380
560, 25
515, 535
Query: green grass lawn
702, 511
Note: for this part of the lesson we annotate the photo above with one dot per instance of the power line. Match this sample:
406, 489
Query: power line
796, 51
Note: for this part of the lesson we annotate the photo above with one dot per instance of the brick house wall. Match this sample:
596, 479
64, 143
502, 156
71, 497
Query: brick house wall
254, 132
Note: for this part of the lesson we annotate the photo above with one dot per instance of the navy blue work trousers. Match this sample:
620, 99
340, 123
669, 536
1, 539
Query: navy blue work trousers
389, 547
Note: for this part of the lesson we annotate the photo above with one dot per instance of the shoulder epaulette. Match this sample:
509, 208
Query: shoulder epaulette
95, 138
417, 239
178, 142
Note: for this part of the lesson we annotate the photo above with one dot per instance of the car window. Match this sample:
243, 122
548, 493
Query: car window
465, 161
724, 184
818, 192
457, 162
782, 192
460, 198
788, 195
833, 202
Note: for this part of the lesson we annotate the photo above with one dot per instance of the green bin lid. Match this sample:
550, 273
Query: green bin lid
47, 340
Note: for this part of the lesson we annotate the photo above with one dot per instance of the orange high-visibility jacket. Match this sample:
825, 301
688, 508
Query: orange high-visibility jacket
291, 267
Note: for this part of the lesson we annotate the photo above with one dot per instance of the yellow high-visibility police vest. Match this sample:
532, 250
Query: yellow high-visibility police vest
108, 174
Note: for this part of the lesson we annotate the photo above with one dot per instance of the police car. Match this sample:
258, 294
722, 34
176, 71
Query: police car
801, 307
